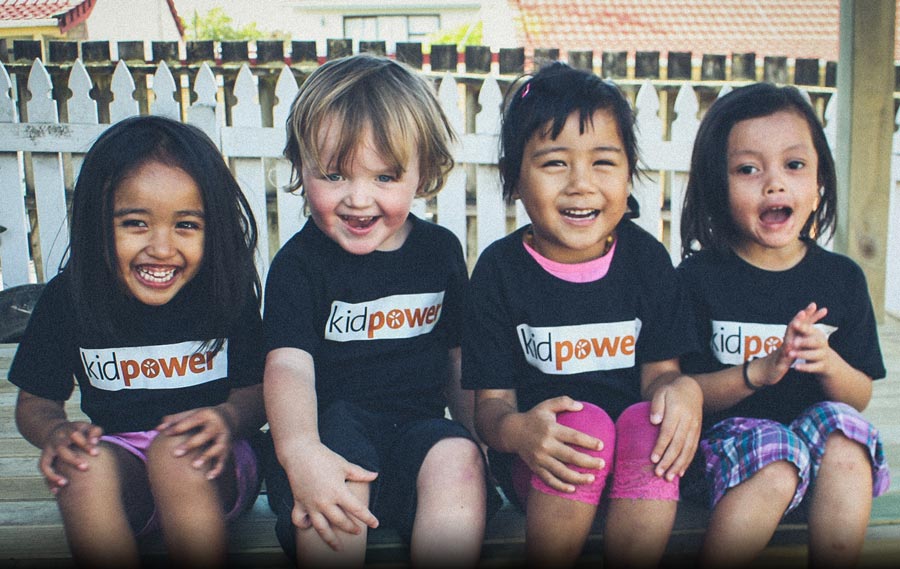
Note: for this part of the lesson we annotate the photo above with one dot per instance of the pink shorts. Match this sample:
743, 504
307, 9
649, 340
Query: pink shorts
627, 446
244, 460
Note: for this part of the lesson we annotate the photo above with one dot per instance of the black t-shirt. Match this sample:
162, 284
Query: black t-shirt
154, 367
742, 312
528, 330
378, 326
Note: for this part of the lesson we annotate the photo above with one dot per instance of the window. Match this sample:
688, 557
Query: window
391, 29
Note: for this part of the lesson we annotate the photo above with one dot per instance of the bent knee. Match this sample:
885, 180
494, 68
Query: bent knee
845, 453
453, 459
163, 461
779, 480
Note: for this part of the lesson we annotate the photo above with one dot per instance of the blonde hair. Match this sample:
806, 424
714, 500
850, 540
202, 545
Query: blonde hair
386, 97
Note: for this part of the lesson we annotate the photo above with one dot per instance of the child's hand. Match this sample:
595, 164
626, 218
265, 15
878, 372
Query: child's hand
802, 340
322, 498
68, 443
207, 437
545, 446
677, 407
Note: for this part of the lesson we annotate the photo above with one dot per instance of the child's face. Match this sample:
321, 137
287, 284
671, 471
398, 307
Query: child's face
158, 227
772, 184
575, 188
364, 209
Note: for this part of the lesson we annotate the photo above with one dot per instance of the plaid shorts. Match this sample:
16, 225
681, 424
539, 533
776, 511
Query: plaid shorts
736, 448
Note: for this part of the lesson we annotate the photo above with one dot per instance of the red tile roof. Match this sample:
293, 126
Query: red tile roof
792, 28
66, 12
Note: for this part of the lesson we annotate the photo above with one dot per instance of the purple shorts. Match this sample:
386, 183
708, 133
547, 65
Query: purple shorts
736, 448
244, 460
627, 446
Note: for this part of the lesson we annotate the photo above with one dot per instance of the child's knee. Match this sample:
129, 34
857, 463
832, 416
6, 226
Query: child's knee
634, 476
846, 454
454, 459
778, 481
593, 421
164, 465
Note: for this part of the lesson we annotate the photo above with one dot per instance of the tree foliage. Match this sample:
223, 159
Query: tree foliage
466, 34
217, 25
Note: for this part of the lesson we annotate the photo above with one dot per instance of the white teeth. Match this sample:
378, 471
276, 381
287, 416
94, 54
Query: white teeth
580, 212
156, 275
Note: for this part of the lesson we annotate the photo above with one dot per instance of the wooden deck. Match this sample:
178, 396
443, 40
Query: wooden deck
31, 533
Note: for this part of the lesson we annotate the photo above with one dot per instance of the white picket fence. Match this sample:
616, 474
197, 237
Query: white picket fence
254, 152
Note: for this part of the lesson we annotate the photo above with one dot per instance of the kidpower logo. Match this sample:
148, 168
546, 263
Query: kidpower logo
388, 318
566, 350
169, 366
733, 343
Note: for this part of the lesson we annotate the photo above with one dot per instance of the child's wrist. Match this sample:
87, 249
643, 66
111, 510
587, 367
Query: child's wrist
745, 373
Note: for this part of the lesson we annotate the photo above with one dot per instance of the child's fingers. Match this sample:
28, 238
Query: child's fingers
560, 404
578, 438
340, 519
359, 474
323, 528
53, 478
299, 517
360, 511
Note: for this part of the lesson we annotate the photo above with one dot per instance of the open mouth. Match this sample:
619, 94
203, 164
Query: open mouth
359, 222
776, 215
156, 275
581, 214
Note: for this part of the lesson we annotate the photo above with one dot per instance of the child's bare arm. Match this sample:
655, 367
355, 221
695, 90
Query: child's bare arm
536, 437
318, 477
461, 402
44, 423
676, 405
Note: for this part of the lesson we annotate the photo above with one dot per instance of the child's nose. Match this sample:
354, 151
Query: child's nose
358, 195
581, 181
161, 244
774, 184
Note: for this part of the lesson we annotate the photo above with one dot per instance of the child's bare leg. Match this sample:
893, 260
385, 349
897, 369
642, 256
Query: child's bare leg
637, 531
745, 519
93, 511
312, 551
556, 529
840, 504
190, 507
450, 513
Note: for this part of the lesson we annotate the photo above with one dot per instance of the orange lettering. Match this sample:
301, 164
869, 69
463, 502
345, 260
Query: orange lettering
562, 356
752, 346
600, 348
174, 365
376, 322
130, 370
196, 363
628, 345
417, 317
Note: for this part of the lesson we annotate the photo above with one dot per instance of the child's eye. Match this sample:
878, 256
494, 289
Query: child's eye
747, 169
796, 165
334, 177
553, 164
385, 178
188, 225
133, 223
605, 162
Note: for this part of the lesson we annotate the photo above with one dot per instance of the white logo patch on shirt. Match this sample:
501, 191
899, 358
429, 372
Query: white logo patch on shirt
734, 343
167, 366
567, 350
389, 318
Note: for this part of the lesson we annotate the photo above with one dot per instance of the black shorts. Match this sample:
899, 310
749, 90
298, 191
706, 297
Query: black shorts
376, 442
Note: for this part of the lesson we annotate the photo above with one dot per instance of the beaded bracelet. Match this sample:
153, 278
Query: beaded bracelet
747, 381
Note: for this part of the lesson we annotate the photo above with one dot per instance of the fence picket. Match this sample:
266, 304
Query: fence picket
123, 104
451, 201
489, 205
80, 108
14, 239
48, 172
202, 113
164, 90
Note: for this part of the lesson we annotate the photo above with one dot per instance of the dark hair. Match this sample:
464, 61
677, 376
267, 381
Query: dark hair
706, 218
227, 273
543, 102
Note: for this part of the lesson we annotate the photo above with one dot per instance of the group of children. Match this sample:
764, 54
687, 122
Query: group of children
576, 355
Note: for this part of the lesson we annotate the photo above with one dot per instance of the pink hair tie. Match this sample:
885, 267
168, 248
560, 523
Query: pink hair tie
527, 89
